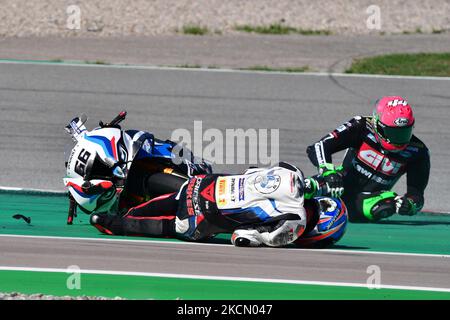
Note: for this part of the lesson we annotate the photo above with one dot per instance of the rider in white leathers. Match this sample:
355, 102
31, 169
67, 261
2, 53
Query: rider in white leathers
264, 196
259, 207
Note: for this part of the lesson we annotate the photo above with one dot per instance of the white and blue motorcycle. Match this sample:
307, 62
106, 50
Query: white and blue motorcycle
111, 169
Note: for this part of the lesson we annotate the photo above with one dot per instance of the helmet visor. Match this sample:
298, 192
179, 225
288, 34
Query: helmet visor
395, 135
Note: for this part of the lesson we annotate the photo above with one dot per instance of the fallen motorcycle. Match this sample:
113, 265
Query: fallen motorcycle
111, 170
111, 167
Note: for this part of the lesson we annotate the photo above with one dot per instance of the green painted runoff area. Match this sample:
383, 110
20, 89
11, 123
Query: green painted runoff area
143, 287
423, 233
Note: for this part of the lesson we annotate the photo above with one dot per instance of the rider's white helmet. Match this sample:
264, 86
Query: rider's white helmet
92, 168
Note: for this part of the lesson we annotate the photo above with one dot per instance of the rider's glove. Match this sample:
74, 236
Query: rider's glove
333, 179
312, 187
405, 206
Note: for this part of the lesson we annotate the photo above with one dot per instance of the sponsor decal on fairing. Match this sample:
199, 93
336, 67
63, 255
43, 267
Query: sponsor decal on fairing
241, 189
267, 183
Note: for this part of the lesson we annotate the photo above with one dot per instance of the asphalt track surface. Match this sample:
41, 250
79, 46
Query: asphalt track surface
226, 260
36, 101
229, 51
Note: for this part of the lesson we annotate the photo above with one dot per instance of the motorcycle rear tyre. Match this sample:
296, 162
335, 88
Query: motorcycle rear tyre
163, 183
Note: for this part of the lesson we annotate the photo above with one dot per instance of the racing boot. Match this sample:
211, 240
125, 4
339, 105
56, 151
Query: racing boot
106, 223
275, 234
246, 238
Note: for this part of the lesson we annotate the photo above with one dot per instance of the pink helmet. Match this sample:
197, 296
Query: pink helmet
393, 121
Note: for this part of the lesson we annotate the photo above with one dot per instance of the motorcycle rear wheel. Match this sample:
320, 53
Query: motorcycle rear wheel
162, 183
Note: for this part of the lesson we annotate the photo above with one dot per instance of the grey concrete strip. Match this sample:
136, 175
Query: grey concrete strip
320, 53
124, 240
268, 263
37, 101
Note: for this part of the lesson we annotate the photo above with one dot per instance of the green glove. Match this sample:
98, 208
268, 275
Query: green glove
405, 206
311, 188
333, 179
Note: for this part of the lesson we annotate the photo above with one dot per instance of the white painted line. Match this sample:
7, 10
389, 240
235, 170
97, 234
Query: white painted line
381, 253
225, 70
435, 212
376, 76
293, 250
221, 278
118, 239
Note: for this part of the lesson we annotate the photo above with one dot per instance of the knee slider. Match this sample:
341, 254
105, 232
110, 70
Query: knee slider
376, 205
